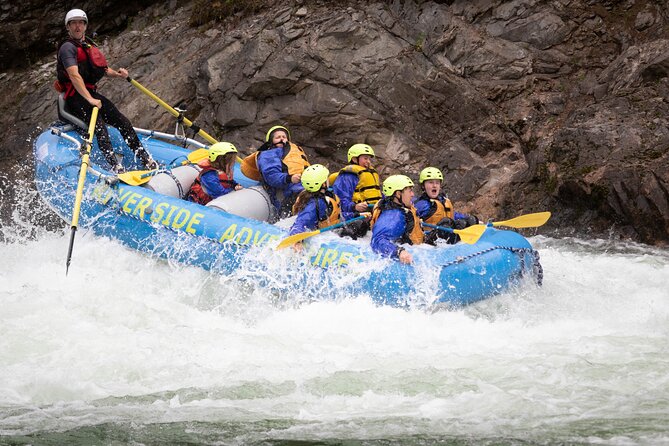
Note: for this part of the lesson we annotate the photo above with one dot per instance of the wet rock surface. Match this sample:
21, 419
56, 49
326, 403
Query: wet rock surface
525, 105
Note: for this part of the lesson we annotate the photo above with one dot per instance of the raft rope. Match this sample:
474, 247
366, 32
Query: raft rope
520, 251
177, 182
59, 167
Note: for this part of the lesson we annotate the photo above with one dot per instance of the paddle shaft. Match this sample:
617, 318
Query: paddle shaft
80, 185
174, 113
153, 173
468, 235
443, 228
340, 224
295, 238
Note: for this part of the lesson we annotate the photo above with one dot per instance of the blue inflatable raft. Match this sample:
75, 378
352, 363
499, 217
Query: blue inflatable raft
230, 236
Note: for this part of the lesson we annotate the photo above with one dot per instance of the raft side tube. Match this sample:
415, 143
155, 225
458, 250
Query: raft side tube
251, 202
176, 182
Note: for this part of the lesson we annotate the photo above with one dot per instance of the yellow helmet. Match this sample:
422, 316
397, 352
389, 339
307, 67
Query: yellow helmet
359, 149
220, 148
273, 129
430, 173
314, 176
394, 183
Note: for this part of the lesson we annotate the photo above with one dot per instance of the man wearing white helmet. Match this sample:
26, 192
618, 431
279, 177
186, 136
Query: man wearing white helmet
80, 66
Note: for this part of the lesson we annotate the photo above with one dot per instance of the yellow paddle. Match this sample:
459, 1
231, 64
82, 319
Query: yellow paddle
525, 221
292, 239
80, 185
139, 177
174, 113
468, 235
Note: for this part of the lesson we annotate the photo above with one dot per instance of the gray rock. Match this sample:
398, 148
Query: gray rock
644, 20
525, 105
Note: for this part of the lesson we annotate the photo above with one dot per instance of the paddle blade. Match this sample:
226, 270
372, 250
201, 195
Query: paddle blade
291, 240
198, 155
69, 251
526, 221
471, 234
136, 177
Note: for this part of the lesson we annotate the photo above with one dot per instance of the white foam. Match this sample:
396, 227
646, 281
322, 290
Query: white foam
127, 337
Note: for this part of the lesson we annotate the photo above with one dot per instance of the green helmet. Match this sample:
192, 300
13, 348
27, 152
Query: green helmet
314, 176
430, 173
273, 129
359, 149
220, 148
394, 183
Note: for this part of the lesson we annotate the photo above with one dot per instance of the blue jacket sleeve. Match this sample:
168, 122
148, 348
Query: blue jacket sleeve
270, 167
422, 207
294, 188
212, 185
386, 232
343, 187
307, 218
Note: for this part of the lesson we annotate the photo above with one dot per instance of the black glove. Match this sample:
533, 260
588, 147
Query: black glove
460, 223
450, 237
472, 220
446, 222
431, 237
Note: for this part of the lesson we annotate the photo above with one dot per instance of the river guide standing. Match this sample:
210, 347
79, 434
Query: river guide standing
80, 67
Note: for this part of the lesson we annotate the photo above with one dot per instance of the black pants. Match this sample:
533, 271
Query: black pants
108, 114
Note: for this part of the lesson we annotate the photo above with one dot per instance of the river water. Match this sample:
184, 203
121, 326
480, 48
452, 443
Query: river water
133, 350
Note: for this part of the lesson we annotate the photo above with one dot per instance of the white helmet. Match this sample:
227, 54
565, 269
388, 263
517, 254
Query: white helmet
75, 14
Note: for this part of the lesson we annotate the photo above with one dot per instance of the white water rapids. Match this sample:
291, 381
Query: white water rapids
133, 350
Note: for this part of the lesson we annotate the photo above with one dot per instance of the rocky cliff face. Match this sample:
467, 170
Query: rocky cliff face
32, 29
525, 105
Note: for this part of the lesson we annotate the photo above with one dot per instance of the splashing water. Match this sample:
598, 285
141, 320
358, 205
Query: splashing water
132, 349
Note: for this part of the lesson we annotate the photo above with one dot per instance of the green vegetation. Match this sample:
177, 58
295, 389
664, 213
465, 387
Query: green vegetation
652, 153
550, 184
586, 170
549, 181
420, 42
205, 11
